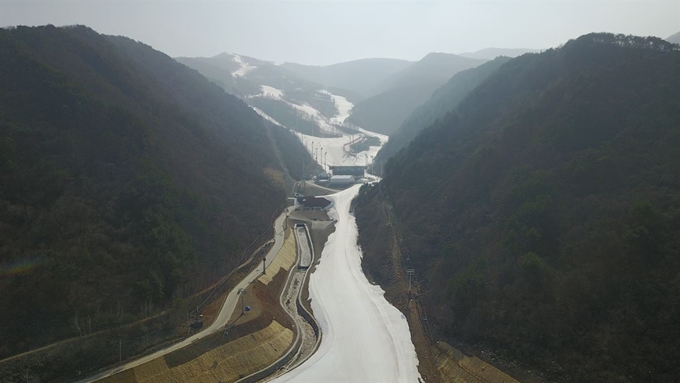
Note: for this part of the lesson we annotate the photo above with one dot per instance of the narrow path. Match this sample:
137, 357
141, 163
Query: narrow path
292, 303
220, 321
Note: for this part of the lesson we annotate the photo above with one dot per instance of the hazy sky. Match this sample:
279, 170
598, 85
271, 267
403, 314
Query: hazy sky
329, 31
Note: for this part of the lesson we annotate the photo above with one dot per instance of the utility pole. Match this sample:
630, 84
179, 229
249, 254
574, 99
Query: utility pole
410, 273
264, 265
242, 293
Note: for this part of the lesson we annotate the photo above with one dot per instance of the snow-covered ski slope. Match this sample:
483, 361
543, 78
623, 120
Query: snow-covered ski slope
244, 69
364, 337
336, 149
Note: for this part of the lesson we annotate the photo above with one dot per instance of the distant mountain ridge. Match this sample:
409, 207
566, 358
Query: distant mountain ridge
274, 91
407, 89
492, 53
675, 39
360, 76
444, 100
434, 68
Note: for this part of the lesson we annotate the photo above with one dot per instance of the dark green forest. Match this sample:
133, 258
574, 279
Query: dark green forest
385, 112
398, 95
127, 182
442, 101
543, 214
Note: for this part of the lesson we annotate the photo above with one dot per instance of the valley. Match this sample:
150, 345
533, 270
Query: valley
495, 216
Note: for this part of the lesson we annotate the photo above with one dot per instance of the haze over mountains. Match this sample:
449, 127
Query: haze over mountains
674, 38
537, 193
443, 100
492, 53
384, 91
359, 76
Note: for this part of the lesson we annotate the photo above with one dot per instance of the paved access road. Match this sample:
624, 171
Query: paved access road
222, 318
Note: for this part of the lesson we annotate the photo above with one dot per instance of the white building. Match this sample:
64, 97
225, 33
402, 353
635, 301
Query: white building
341, 181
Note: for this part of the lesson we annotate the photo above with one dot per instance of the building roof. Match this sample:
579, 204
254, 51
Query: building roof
342, 178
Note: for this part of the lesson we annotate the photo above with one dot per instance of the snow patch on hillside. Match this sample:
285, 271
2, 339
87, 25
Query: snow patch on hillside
266, 116
342, 105
244, 69
271, 92
313, 114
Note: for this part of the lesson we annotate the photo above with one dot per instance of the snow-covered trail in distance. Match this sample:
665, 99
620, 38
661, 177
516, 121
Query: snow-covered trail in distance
335, 147
364, 337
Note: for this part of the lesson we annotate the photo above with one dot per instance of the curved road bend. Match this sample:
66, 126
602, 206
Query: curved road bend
222, 318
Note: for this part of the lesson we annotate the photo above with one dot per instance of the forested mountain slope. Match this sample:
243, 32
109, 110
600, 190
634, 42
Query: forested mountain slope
543, 216
289, 99
359, 76
399, 94
434, 68
492, 53
443, 100
127, 180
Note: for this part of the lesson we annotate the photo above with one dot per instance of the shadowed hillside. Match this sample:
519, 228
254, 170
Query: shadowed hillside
543, 215
443, 101
127, 181
359, 76
399, 94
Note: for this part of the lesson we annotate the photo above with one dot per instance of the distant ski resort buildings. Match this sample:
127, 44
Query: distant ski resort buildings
341, 181
356, 171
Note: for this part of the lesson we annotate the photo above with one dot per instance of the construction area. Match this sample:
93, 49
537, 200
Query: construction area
273, 331
270, 332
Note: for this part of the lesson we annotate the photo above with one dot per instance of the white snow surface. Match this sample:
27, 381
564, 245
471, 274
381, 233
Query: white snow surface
245, 67
271, 92
337, 148
364, 338
265, 116
316, 116
342, 105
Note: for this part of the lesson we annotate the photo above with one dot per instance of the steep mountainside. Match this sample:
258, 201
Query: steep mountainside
385, 112
492, 53
434, 68
279, 94
543, 215
127, 181
402, 92
675, 39
443, 101
359, 76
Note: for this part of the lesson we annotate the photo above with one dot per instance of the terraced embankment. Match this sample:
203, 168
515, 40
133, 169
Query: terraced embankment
248, 344
226, 363
292, 302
